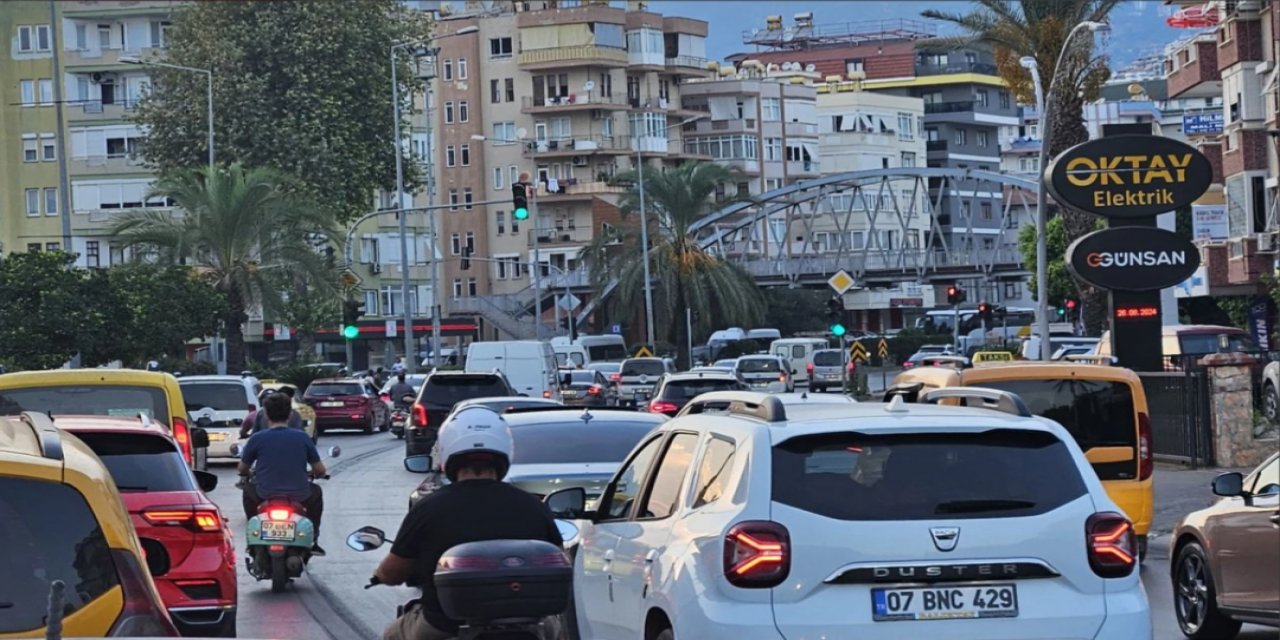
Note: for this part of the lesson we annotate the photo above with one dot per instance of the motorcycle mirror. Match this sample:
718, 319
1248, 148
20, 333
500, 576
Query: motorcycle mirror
366, 539
207, 481
235, 450
335, 452
420, 463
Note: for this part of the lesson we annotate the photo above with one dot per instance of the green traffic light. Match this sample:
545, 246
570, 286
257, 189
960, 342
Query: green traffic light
350, 332
837, 330
521, 214
1061, 312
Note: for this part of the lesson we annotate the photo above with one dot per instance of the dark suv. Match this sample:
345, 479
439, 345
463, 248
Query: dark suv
677, 389
440, 391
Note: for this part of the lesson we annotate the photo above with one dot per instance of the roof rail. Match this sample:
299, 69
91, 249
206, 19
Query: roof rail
749, 404
47, 432
991, 399
1094, 358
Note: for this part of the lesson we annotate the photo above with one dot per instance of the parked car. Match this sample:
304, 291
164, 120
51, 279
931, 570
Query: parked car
188, 545
678, 389
1271, 391
827, 369
347, 403
64, 520
747, 518
440, 392
769, 373
638, 377
587, 388
102, 392
226, 401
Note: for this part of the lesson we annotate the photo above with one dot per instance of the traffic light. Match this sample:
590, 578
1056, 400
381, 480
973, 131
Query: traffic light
955, 295
835, 314
1071, 304
351, 312
520, 201
1062, 311
985, 312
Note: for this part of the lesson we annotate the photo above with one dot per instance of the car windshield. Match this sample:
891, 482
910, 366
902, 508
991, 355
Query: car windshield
925, 476
572, 359
582, 377
643, 368
140, 461
87, 400
49, 533
689, 389
826, 359
414, 381
601, 439
219, 396
330, 389
759, 365
449, 390
606, 367
1197, 343
607, 352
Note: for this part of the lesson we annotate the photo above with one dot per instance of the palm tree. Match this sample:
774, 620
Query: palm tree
244, 229
1039, 28
684, 275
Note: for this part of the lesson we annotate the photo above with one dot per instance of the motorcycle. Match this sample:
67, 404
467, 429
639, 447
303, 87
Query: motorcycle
280, 537
400, 415
500, 589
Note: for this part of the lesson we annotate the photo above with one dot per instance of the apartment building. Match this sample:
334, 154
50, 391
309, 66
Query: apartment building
566, 95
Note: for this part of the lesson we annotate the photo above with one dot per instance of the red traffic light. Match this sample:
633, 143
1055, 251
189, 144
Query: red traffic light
1071, 304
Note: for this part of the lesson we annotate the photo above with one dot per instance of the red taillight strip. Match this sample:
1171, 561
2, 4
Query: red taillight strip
279, 514
182, 435
196, 517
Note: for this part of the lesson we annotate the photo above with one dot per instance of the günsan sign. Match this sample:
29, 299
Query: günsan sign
1129, 176
1133, 258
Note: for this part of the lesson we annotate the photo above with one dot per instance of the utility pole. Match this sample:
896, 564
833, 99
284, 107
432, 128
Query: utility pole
64, 187
537, 263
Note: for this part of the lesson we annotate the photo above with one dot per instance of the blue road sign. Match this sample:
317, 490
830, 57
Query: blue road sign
615, 329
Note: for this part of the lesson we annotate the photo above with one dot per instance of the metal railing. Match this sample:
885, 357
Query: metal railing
573, 145
688, 61
957, 106
583, 52
560, 236
573, 187
924, 69
575, 100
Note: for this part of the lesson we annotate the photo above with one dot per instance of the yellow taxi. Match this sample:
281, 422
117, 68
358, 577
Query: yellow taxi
100, 392
1104, 407
308, 414
64, 523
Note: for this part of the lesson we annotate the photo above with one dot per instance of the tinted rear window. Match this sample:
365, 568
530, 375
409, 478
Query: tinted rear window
87, 400
48, 533
140, 462
853, 476
1097, 413
689, 389
449, 390
582, 377
1208, 342
219, 396
601, 440
643, 367
607, 352
327, 390
759, 365
826, 359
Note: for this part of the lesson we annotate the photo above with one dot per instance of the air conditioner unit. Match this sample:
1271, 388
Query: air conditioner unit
375, 268
103, 77
579, 161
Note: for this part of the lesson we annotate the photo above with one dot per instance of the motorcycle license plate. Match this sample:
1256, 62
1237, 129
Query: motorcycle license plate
278, 531
331, 404
945, 603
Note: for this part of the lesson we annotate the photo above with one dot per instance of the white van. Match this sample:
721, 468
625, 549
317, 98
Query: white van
569, 355
764, 335
606, 348
530, 366
799, 352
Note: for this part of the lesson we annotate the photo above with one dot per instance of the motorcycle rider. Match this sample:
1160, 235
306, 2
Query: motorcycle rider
257, 420
401, 389
476, 448
279, 457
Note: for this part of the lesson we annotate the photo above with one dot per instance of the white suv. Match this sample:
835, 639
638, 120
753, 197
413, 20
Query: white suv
748, 517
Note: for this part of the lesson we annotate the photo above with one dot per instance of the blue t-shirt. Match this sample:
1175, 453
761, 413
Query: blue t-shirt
281, 456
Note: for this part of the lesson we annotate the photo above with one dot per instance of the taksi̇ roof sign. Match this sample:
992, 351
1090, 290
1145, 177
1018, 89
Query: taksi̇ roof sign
1129, 176
1133, 258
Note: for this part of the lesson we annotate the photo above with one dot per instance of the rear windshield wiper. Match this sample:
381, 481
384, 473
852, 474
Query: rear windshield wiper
978, 506
124, 488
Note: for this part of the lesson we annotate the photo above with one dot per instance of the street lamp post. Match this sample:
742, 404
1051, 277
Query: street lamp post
1043, 105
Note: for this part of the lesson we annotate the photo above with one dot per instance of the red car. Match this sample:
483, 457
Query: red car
186, 540
347, 403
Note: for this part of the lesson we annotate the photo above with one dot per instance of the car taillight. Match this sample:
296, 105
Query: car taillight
594, 390
757, 554
782, 377
199, 519
615, 377
142, 615
853, 366
546, 394
279, 515
182, 435
1146, 463
809, 368
419, 415
659, 406
1113, 548
386, 397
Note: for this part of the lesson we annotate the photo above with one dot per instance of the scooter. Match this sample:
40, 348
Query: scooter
501, 589
280, 537
400, 415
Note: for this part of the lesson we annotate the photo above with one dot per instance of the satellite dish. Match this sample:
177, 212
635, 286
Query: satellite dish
589, 86
521, 133
811, 68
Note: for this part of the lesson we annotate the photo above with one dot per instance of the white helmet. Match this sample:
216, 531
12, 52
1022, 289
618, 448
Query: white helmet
474, 431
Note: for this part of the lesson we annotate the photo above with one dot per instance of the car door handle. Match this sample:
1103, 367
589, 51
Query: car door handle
648, 557
608, 559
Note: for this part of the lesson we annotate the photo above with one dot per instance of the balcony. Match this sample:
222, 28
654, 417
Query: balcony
1239, 41
801, 167
577, 146
97, 110
98, 219
551, 237
955, 67
573, 56
1193, 70
571, 190
573, 103
1248, 154
102, 165
935, 145
956, 106
687, 65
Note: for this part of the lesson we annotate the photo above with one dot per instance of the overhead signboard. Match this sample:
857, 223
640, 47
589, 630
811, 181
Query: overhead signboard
1129, 176
1133, 258
1208, 222
1198, 124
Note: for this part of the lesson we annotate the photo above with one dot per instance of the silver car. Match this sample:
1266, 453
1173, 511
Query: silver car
767, 373
638, 377
828, 369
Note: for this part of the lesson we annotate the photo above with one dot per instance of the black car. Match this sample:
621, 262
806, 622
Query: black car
677, 389
439, 393
587, 388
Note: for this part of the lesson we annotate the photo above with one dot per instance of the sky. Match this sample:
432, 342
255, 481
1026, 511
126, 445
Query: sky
1138, 26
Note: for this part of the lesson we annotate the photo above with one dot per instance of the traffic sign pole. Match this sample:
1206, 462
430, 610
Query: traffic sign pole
844, 371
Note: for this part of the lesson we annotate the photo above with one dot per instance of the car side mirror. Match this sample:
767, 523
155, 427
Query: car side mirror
199, 438
204, 422
237, 421
207, 481
335, 452
567, 503
366, 539
1229, 485
235, 449
420, 463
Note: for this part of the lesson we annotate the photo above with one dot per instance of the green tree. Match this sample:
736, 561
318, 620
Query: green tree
684, 275
301, 86
1039, 28
792, 311
308, 309
241, 229
167, 304
51, 312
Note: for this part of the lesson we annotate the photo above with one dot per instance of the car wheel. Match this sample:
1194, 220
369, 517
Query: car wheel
386, 423
372, 425
1195, 601
1271, 402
